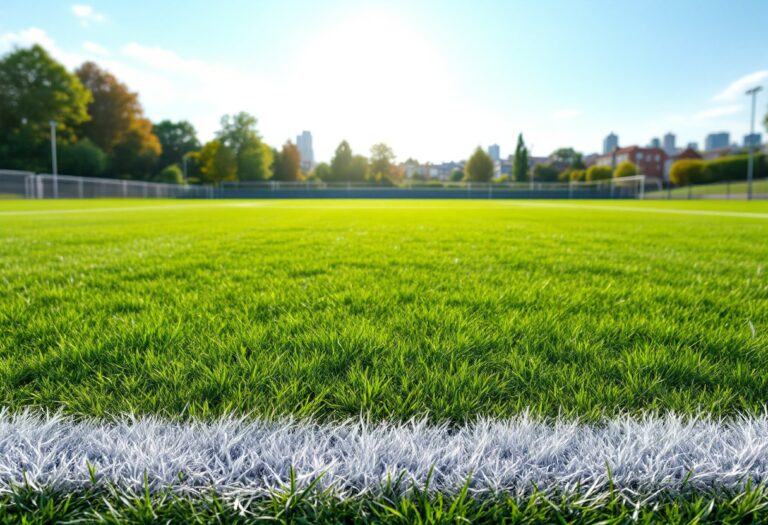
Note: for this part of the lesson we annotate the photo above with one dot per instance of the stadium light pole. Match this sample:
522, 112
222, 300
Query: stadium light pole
54, 160
751, 165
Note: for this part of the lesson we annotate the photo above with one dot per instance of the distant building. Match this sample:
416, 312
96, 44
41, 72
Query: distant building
649, 161
655, 143
494, 152
304, 145
693, 145
718, 140
669, 144
753, 140
591, 159
610, 143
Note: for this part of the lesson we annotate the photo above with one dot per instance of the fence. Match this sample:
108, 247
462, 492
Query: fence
734, 190
45, 186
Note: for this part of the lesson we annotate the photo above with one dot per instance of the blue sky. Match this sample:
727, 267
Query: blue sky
432, 79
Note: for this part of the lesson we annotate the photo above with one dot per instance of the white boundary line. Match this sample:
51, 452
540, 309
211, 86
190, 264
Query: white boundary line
138, 208
646, 455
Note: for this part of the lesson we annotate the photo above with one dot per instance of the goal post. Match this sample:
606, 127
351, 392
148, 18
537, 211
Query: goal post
614, 188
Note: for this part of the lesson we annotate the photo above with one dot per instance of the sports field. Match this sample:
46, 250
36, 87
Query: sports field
442, 312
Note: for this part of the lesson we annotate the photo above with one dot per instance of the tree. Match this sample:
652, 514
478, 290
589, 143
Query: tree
35, 89
83, 159
564, 155
288, 163
358, 168
382, 159
599, 173
217, 162
176, 139
170, 175
456, 175
322, 171
135, 156
625, 169
545, 173
479, 167
114, 109
687, 171
341, 163
520, 163
238, 133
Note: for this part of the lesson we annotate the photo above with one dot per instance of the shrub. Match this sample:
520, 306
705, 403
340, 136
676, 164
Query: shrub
545, 173
84, 159
625, 169
599, 173
733, 168
687, 171
170, 175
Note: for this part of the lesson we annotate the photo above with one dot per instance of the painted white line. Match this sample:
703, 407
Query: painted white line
137, 208
676, 211
646, 455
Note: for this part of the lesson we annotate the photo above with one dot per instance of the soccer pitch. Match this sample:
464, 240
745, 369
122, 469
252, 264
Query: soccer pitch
441, 312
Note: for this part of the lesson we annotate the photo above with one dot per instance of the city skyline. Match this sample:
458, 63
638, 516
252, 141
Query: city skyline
300, 71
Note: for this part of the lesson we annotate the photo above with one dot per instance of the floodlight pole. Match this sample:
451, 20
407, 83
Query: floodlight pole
184, 163
751, 164
54, 160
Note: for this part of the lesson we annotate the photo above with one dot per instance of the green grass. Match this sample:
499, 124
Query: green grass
34, 507
392, 309
720, 190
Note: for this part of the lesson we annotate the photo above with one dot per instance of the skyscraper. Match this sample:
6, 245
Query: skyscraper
610, 143
304, 145
669, 143
494, 152
753, 140
718, 140
655, 143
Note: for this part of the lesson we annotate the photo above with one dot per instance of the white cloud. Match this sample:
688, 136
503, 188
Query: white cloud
87, 14
566, 114
737, 88
717, 112
96, 49
34, 35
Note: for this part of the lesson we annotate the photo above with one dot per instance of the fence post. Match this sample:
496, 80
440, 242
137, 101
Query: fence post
642, 188
728, 190
690, 191
125, 189
612, 187
39, 184
570, 189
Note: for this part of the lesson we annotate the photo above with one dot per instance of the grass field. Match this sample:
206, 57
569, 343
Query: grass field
390, 309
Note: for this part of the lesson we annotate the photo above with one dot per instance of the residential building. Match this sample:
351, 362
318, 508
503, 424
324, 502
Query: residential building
655, 143
649, 161
717, 140
304, 145
669, 144
494, 152
591, 159
753, 140
610, 143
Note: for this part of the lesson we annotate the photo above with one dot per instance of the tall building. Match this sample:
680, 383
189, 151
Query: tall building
693, 145
610, 143
669, 144
718, 140
304, 145
753, 140
655, 143
494, 152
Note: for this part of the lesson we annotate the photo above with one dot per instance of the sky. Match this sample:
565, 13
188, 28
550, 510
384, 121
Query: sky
433, 79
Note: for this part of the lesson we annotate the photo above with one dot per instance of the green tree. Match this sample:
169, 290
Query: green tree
170, 175
35, 89
322, 171
520, 162
83, 159
545, 173
456, 176
341, 163
479, 167
135, 156
382, 162
599, 173
687, 171
289, 163
564, 155
625, 169
358, 168
176, 139
238, 133
217, 162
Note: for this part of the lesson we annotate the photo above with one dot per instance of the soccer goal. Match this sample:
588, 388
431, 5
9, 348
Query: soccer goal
614, 188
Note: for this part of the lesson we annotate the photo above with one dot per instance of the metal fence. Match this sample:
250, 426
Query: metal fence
44, 186
728, 190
